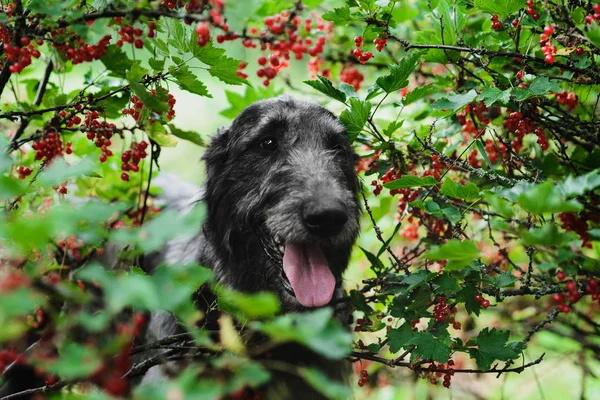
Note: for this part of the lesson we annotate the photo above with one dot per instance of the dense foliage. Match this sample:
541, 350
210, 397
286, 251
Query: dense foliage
477, 126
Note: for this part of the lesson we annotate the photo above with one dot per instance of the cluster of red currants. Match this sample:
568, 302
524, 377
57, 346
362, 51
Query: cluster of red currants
531, 10
568, 99
595, 16
442, 311
351, 76
363, 57
542, 141
100, 132
496, 24
131, 158
364, 378
571, 222
72, 246
484, 302
48, 146
129, 34
492, 150
380, 43
433, 373
548, 49
23, 172
20, 57
75, 49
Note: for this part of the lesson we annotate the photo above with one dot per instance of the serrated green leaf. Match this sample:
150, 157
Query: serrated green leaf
399, 337
134, 75
325, 86
456, 190
503, 280
547, 235
456, 102
409, 181
355, 118
417, 94
418, 278
457, 253
226, 71
491, 95
188, 81
576, 186
392, 127
339, 16
491, 346
503, 8
399, 73
116, 61
159, 134
316, 329
190, 136
546, 198
432, 346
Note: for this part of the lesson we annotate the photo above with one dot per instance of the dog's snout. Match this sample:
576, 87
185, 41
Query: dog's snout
324, 217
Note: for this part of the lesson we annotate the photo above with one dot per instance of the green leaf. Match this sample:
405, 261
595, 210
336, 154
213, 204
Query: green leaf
134, 75
399, 73
456, 190
248, 305
491, 95
446, 284
59, 171
459, 254
116, 61
159, 134
483, 153
190, 136
543, 85
548, 235
399, 337
546, 198
417, 94
330, 388
456, 102
355, 118
324, 86
410, 181
436, 346
317, 330
188, 81
75, 361
452, 214
576, 186
503, 280
417, 278
226, 71
339, 16
503, 8
392, 127
491, 346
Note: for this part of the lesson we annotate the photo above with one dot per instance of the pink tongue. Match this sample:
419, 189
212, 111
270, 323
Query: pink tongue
307, 270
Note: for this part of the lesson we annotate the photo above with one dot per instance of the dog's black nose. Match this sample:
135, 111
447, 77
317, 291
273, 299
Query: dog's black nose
324, 217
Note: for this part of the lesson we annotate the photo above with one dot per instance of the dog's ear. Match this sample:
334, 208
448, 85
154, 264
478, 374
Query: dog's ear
218, 150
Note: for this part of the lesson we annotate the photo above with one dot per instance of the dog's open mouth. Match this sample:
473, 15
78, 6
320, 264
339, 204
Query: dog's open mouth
305, 272
308, 271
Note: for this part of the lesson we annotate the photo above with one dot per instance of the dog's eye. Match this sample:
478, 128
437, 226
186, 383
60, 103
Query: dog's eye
268, 144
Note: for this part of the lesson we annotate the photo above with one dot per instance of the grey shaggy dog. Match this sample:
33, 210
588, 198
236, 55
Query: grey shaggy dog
282, 216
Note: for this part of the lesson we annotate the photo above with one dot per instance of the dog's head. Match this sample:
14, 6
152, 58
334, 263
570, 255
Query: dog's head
281, 194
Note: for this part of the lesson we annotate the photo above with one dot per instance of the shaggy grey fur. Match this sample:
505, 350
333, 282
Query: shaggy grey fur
282, 173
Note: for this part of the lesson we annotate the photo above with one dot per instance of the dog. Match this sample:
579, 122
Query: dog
281, 196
